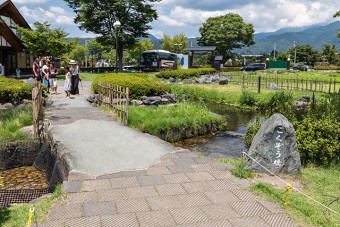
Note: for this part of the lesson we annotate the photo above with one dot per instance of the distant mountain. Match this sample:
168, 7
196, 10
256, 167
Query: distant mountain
283, 39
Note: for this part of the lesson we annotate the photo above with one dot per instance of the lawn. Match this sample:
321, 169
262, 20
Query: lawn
17, 215
321, 184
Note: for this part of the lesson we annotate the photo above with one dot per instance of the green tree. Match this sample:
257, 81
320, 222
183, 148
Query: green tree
337, 14
304, 54
44, 41
78, 54
177, 44
135, 52
226, 32
95, 50
99, 17
329, 53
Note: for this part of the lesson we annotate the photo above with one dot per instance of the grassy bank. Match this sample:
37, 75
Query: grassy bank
12, 120
17, 215
322, 184
231, 93
173, 123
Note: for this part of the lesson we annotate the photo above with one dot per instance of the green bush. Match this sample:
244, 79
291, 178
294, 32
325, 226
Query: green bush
230, 68
280, 102
185, 73
328, 67
318, 140
12, 90
139, 85
247, 99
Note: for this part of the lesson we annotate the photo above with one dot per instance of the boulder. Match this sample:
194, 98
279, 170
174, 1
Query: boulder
275, 147
223, 81
135, 102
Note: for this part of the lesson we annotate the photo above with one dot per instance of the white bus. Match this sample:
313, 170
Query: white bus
156, 60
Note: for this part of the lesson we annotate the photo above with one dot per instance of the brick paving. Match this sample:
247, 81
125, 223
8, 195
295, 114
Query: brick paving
180, 190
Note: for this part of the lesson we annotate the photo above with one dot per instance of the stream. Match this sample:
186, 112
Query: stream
224, 144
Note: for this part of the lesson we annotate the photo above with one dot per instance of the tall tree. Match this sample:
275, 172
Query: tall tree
329, 53
176, 44
78, 54
99, 16
44, 41
226, 33
304, 54
135, 52
337, 14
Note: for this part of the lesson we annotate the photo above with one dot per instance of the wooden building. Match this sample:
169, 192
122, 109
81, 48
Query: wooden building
13, 54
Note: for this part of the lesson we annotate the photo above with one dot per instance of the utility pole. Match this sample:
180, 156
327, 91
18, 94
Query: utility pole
274, 51
294, 52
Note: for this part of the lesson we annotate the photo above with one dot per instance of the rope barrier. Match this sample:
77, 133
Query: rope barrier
292, 188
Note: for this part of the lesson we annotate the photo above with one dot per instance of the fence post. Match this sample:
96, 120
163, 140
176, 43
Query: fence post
259, 85
126, 105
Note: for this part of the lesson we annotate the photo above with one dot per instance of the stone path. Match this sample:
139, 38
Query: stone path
179, 189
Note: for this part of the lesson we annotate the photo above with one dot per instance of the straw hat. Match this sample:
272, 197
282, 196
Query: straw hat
72, 62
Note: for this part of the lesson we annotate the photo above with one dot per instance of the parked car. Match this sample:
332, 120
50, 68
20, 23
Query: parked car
302, 67
254, 67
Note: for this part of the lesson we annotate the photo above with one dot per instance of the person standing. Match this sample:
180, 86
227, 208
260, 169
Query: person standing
46, 74
68, 82
75, 72
53, 79
36, 69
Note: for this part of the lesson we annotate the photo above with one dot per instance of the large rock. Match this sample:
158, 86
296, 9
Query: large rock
274, 147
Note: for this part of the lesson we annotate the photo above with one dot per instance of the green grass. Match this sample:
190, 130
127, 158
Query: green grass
11, 120
239, 170
322, 184
17, 215
231, 93
165, 118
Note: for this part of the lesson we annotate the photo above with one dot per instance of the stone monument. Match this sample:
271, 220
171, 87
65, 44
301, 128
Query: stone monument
274, 147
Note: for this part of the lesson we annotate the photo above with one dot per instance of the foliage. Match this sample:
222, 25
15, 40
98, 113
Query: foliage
252, 128
177, 122
185, 73
135, 52
12, 120
318, 140
247, 99
99, 17
280, 101
12, 90
17, 215
139, 85
329, 53
78, 54
177, 44
230, 69
304, 54
321, 184
326, 67
240, 170
226, 32
337, 14
44, 41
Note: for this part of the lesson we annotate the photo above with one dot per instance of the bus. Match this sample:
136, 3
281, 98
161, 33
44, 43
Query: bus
156, 60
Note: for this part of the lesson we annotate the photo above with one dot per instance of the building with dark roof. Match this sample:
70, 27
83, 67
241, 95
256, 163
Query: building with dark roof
13, 54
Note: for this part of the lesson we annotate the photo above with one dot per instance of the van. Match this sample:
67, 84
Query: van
254, 67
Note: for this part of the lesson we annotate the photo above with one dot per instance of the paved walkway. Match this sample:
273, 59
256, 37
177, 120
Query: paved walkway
179, 189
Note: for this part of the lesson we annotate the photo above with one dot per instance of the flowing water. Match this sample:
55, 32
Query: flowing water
226, 144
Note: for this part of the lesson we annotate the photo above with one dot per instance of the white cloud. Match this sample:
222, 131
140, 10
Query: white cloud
29, 1
55, 15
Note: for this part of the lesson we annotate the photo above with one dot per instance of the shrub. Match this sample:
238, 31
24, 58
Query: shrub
185, 73
318, 140
279, 102
139, 85
12, 90
247, 99
230, 68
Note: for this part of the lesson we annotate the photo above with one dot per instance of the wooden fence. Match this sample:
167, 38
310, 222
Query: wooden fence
36, 106
116, 97
283, 82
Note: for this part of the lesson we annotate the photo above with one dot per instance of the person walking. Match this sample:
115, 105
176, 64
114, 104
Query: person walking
68, 82
75, 72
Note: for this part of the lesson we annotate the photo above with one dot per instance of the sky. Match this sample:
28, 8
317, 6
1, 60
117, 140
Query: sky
186, 16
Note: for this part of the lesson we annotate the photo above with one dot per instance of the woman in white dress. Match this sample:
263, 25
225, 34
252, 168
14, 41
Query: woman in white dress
68, 82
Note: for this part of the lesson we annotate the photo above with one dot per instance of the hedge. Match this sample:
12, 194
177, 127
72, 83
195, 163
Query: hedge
185, 73
231, 68
138, 83
12, 90
326, 67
